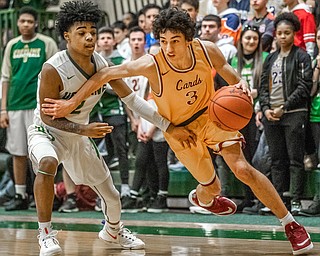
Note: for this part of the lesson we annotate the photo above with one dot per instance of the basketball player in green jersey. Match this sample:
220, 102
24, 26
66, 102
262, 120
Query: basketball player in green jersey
23, 58
68, 140
182, 85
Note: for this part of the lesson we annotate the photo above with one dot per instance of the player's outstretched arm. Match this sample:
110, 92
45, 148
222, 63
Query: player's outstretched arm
52, 106
58, 108
50, 86
61, 108
224, 69
146, 111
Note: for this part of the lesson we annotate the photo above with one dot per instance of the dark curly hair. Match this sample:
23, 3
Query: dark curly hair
176, 21
288, 18
76, 11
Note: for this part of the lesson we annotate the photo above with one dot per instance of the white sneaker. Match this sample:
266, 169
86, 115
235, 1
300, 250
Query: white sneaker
198, 209
49, 245
123, 237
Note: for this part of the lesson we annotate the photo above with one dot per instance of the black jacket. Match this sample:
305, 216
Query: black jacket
296, 79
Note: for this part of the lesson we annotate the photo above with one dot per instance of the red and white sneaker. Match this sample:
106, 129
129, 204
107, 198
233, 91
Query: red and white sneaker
49, 245
221, 206
299, 238
123, 237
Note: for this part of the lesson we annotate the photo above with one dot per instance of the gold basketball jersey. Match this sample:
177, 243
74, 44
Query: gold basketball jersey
183, 93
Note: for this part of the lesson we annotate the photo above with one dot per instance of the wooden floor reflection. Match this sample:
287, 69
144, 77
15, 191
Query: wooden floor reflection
22, 242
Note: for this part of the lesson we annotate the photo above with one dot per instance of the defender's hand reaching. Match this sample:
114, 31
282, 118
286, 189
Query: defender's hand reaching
57, 108
97, 130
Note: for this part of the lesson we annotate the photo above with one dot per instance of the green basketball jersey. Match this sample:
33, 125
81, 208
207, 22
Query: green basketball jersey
22, 63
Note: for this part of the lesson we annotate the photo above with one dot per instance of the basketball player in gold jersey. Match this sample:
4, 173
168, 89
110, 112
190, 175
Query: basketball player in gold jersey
182, 85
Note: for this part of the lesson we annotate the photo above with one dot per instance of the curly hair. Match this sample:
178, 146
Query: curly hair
288, 18
76, 11
176, 21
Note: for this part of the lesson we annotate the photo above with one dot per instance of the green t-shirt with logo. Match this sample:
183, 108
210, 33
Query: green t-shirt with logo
247, 70
22, 63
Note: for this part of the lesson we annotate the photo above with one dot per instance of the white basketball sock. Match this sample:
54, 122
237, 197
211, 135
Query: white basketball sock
125, 190
44, 228
21, 190
287, 219
112, 228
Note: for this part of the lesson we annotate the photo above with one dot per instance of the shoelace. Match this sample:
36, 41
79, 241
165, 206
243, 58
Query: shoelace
127, 233
50, 238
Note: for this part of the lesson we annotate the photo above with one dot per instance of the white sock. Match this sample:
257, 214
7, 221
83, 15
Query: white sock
44, 228
125, 190
21, 190
287, 219
113, 228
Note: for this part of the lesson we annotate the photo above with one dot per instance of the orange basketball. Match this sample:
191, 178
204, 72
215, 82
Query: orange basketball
230, 108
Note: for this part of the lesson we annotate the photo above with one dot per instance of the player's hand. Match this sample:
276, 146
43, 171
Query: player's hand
243, 85
56, 108
186, 137
97, 130
4, 119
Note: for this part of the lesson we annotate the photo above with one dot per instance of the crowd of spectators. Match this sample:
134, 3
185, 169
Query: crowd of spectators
246, 35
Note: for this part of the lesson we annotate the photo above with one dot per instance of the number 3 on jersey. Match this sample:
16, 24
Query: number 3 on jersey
192, 95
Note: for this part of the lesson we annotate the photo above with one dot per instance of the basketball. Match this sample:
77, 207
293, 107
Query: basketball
230, 108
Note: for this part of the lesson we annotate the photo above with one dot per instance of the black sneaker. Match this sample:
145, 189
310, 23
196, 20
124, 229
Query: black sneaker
254, 209
32, 202
17, 203
70, 205
159, 205
295, 207
131, 205
4, 199
312, 211
114, 163
244, 203
57, 202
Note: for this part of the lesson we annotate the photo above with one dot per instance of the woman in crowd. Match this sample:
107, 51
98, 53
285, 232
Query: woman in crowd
284, 94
